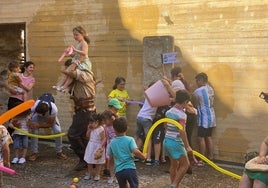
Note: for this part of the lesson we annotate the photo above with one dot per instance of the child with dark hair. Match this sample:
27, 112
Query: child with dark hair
204, 96
119, 91
121, 152
96, 144
176, 144
108, 119
20, 140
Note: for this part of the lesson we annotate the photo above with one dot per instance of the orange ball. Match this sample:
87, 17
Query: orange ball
72, 186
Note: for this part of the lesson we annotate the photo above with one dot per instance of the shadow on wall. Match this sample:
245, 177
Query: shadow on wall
224, 101
220, 78
116, 39
232, 142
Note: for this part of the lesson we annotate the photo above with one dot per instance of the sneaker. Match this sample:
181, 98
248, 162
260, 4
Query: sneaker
172, 186
97, 178
22, 160
87, 176
136, 159
148, 162
155, 163
33, 157
106, 172
80, 166
110, 180
61, 155
15, 160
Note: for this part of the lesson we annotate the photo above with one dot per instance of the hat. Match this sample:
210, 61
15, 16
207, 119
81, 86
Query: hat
115, 103
177, 84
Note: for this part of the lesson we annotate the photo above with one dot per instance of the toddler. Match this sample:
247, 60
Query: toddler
96, 143
20, 140
108, 118
14, 79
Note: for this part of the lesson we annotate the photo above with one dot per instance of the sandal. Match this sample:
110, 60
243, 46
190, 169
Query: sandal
163, 160
200, 164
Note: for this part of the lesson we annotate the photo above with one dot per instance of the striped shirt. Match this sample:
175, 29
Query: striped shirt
205, 111
176, 113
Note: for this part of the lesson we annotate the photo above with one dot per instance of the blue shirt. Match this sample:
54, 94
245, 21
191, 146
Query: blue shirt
206, 115
121, 148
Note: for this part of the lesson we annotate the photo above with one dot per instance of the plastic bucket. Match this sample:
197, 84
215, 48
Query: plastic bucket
157, 95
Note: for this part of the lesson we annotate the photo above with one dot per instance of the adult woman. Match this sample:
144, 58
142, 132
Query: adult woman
257, 179
121, 94
27, 84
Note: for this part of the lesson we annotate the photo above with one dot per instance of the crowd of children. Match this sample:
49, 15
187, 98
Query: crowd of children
108, 147
101, 153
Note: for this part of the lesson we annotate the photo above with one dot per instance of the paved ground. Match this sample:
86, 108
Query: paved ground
49, 172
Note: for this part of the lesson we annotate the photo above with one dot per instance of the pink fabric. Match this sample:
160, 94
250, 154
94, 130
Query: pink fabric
25, 81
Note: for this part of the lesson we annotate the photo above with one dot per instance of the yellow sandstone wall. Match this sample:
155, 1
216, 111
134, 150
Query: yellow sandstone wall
226, 39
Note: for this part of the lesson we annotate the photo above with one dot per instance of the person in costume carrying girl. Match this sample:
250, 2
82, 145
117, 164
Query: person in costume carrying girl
79, 56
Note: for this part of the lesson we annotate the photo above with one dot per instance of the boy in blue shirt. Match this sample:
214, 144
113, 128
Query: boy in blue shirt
121, 152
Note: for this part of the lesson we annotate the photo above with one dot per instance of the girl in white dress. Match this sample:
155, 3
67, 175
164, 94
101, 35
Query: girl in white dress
97, 141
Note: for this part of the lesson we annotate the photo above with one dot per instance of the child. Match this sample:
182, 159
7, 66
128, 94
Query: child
204, 96
5, 140
175, 143
114, 106
108, 118
97, 141
121, 94
14, 79
121, 152
67, 63
79, 56
20, 140
257, 179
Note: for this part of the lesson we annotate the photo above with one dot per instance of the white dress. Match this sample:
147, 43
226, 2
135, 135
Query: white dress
94, 144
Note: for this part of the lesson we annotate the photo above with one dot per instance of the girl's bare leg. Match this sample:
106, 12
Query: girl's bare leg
245, 182
181, 170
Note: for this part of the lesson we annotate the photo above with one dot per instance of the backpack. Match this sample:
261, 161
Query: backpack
47, 97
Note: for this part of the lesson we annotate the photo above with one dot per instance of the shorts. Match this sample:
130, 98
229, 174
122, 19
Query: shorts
158, 134
20, 141
143, 126
204, 132
127, 175
174, 148
261, 176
